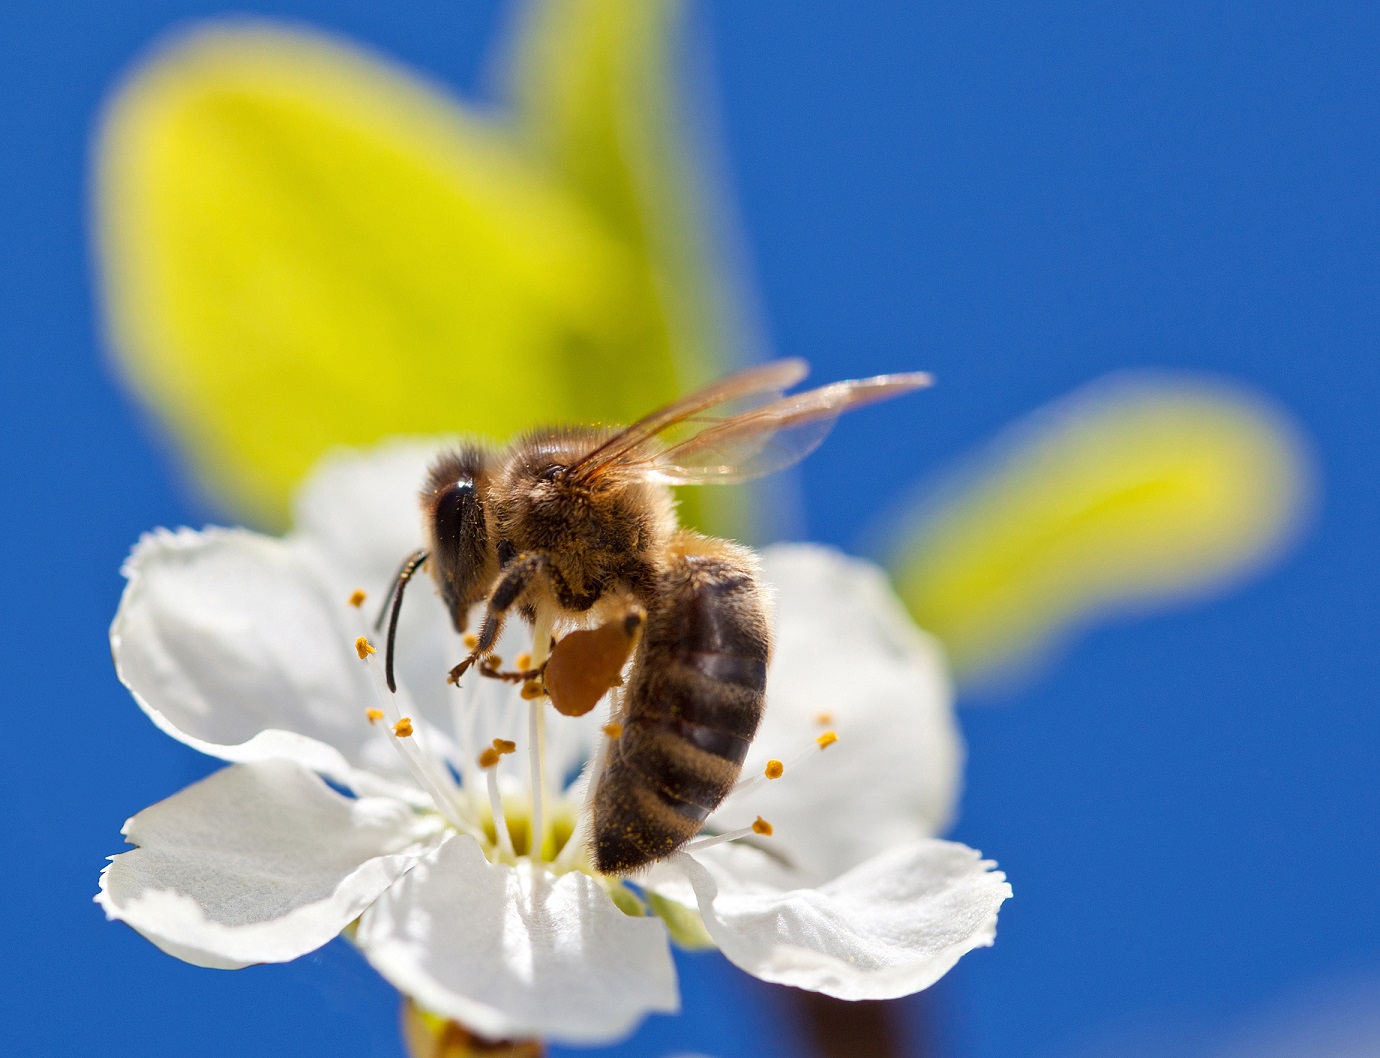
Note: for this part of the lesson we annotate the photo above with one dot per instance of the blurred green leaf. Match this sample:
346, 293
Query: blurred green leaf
303, 246
1132, 492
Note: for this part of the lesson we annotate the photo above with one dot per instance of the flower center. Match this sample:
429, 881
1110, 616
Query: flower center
550, 831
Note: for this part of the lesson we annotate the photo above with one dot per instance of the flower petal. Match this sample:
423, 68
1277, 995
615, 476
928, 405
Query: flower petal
508, 953
887, 928
257, 863
845, 648
232, 644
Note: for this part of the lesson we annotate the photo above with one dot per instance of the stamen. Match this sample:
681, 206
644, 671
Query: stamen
489, 758
503, 745
357, 598
492, 662
523, 662
536, 715
532, 690
363, 648
374, 715
421, 767
775, 768
759, 826
505, 839
403, 728
824, 719
541, 639
614, 730
471, 641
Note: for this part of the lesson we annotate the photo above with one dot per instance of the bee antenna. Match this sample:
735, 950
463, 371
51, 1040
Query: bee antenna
395, 595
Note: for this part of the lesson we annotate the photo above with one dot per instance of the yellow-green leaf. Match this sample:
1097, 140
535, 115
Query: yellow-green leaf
304, 246
1134, 491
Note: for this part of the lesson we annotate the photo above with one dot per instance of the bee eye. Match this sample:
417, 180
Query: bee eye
551, 473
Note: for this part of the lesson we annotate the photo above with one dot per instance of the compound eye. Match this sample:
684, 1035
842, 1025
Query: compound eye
551, 473
454, 515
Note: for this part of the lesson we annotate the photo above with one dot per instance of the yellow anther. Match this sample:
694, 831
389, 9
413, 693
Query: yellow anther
502, 745
775, 769
374, 715
471, 641
824, 719
761, 826
532, 689
827, 739
613, 730
492, 662
363, 648
357, 598
523, 662
403, 728
488, 758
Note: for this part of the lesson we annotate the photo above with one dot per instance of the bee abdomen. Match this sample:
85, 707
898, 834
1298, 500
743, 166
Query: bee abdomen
694, 703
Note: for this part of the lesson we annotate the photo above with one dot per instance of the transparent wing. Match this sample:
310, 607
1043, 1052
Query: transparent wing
729, 394
770, 438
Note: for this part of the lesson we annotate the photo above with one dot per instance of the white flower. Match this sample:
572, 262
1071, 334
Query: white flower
243, 646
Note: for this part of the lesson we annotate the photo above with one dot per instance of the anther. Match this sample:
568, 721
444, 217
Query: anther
489, 758
532, 689
363, 648
471, 641
614, 730
503, 745
761, 826
774, 770
826, 740
403, 728
522, 662
374, 715
492, 662
357, 598
824, 719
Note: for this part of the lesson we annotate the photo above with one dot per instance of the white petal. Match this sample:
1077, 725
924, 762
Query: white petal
507, 954
845, 647
232, 644
257, 863
887, 928
361, 508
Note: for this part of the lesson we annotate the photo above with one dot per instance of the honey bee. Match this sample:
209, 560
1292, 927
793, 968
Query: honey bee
577, 525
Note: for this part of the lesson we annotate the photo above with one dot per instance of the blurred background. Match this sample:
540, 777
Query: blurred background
1020, 198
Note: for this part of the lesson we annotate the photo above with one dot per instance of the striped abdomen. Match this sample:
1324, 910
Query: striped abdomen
693, 704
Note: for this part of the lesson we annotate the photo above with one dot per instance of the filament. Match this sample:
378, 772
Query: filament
752, 782
733, 835
413, 758
505, 839
541, 648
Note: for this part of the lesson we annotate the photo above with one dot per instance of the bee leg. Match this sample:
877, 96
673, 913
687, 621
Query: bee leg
517, 578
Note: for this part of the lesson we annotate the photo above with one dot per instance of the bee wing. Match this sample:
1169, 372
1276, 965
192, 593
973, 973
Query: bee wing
772, 437
760, 383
